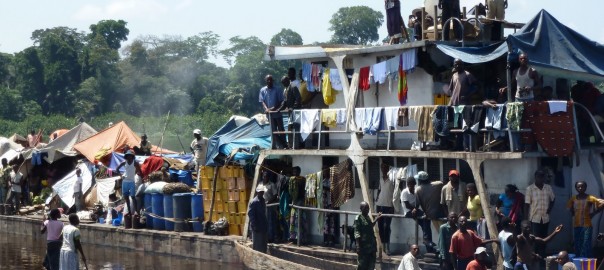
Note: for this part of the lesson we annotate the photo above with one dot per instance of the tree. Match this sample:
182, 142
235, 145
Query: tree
286, 37
356, 25
29, 73
114, 32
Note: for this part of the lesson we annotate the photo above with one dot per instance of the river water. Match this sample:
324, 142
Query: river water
22, 252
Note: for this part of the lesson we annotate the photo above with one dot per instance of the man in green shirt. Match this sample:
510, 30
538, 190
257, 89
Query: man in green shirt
4, 178
445, 233
365, 238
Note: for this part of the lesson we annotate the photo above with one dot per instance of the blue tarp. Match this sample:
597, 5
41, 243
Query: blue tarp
231, 137
474, 55
117, 158
553, 48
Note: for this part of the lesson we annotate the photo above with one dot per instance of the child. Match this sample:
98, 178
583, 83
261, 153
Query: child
583, 207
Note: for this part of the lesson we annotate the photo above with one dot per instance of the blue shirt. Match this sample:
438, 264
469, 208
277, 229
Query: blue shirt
257, 215
272, 97
506, 205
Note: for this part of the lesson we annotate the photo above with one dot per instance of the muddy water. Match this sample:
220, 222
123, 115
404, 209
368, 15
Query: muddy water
22, 252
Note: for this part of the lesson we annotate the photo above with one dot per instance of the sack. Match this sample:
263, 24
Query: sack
156, 187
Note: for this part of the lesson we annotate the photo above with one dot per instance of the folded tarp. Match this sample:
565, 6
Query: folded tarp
475, 55
117, 158
64, 187
245, 136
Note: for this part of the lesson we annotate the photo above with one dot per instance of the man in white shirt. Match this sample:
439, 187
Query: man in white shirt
409, 261
15, 188
411, 210
77, 191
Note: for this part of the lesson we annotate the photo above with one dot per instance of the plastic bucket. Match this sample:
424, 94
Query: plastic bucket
197, 211
168, 211
182, 211
148, 202
157, 208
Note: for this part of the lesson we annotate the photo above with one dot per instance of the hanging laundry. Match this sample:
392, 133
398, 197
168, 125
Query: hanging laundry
494, 120
307, 75
364, 79
379, 72
334, 78
554, 132
368, 119
340, 117
329, 96
403, 117
341, 183
557, 106
311, 186
392, 65
305, 95
402, 85
422, 115
316, 77
328, 117
409, 59
471, 118
440, 120
457, 110
391, 116
513, 115
309, 120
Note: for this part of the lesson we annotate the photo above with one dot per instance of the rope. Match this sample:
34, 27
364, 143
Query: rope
186, 220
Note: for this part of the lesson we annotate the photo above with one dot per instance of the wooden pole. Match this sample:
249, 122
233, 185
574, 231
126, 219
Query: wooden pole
261, 158
161, 140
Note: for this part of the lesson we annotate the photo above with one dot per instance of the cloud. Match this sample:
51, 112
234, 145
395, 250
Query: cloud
183, 5
145, 9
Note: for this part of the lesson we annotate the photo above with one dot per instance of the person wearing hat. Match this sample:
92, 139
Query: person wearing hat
539, 202
428, 197
199, 146
145, 147
258, 220
131, 169
453, 197
480, 260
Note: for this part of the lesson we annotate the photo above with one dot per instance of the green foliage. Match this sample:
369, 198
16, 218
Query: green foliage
356, 25
286, 37
113, 32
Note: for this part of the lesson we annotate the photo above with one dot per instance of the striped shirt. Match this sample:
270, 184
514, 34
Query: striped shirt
539, 200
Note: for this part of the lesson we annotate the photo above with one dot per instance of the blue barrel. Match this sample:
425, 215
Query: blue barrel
182, 211
182, 176
157, 202
168, 211
197, 211
148, 209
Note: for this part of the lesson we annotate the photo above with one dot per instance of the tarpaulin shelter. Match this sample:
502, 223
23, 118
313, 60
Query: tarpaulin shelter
7, 144
63, 145
232, 137
553, 48
58, 133
112, 139
64, 187
117, 158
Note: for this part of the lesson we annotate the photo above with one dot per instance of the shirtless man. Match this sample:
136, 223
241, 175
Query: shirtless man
525, 244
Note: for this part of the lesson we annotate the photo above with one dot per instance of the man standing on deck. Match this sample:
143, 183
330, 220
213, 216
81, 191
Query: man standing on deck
14, 196
450, 8
444, 241
496, 9
526, 79
270, 99
199, 146
292, 101
77, 191
461, 86
525, 243
394, 20
365, 238
464, 243
4, 179
258, 221
539, 201
453, 197
131, 170
291, 74
428, 197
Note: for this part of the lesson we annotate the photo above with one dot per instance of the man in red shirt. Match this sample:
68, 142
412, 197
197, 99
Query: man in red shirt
464, 243
480, 260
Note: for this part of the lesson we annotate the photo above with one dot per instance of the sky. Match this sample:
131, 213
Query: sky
261, 18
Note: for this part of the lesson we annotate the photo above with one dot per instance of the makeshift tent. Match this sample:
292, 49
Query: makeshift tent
18, 139
112, 139
117, 158
7, 144
57, 133
64, 187
63, 145
553, 48
231, 137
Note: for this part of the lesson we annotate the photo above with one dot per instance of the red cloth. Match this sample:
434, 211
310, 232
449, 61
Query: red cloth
555, 133
464, 244
517, 207
402, 84
151, 164
474, 265
364, 79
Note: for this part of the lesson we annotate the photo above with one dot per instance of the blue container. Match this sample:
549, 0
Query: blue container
197, 211
182, 211
168, 211
149, 209
157, 202
183, 176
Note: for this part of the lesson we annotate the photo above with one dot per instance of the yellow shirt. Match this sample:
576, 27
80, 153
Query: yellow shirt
475, 208
582, 209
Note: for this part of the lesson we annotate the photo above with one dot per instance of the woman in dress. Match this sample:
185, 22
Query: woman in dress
71, 245
53, 228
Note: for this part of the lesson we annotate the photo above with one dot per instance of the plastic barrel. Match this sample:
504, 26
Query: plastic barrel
168, 211
157, 208
148, 209
182, 211
197, 211
183, 176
